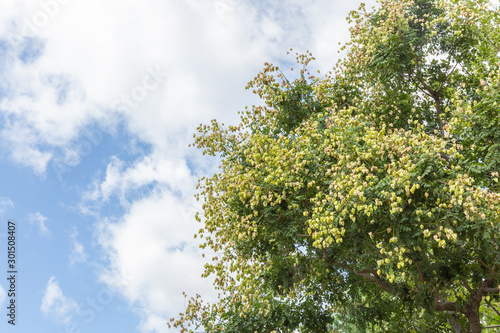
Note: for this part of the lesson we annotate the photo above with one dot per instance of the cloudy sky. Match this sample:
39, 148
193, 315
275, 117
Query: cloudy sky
98, 103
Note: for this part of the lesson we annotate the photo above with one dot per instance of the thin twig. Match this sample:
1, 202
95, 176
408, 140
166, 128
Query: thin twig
494, 308
486, 266
466, 285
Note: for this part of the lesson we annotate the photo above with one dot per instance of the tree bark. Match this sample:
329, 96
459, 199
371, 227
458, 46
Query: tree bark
473, 317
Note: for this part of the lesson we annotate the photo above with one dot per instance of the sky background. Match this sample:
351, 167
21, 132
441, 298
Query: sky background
99, 100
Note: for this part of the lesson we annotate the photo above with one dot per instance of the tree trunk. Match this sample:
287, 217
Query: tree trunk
473, 316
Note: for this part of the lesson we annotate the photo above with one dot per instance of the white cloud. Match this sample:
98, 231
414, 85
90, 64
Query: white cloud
5, 204
163, 169
154, 257
77, 254
56, 305
154, 323
39, 220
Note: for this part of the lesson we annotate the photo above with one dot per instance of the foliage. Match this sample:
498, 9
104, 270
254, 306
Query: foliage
367, 199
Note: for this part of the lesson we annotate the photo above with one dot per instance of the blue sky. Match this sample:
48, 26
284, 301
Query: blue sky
98, 103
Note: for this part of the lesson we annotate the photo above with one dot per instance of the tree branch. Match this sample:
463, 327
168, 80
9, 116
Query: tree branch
420, 272
368, 274
485, 288
466, 285
494, 308
436, 96
486, 266
444, 305
335, 262
490, 317
491, 290
386, 286
447, 306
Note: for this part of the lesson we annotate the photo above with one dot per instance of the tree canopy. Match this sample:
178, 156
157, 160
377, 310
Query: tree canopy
366, 198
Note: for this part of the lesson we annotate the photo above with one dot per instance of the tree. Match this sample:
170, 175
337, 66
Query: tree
368, 198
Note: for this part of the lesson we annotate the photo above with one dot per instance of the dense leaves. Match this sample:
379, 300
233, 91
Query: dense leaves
367, 199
